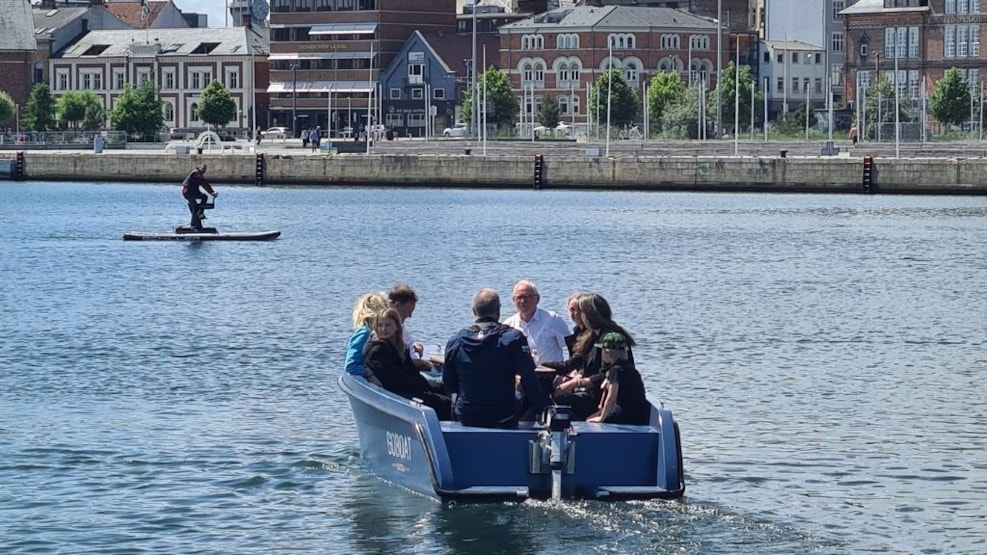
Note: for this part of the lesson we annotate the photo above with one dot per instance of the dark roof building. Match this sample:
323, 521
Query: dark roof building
17, 48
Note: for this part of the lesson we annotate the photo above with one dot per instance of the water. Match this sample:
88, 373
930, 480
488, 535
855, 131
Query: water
823, 354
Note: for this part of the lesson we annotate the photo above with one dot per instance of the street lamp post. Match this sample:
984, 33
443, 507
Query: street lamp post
719, 67
294, 100
473, 111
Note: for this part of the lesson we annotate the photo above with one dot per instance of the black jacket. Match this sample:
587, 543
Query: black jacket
396, 375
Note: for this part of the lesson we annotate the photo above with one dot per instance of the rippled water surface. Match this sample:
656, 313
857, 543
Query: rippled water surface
825, 357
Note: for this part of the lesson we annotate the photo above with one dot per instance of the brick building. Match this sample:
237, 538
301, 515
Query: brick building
17, 49
339, 47
562, 52
928, 37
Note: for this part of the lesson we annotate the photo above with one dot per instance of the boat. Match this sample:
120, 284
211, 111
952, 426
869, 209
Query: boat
404, 442
185, 233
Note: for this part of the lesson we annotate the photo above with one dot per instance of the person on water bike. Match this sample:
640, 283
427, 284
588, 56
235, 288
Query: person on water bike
196, 198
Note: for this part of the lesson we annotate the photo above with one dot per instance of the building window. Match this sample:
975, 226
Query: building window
631, 72
699, 42
567, 42
767, 57
574, 103
87, 83
669, 42
439, 94
532, 42
417, 94
795, 57
323, 5
281, 6
345, 5
169, 112
169, 79
303, 5
416, 119
395, 94
781, 58
119, 78
863, 50
194, 112
838, 42
196, 80
780, 87
232, 79
838, 6
795, 84
368, 5
819, 85
818, 57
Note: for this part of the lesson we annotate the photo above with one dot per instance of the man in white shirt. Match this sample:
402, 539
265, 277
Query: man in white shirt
404, 299
546, 331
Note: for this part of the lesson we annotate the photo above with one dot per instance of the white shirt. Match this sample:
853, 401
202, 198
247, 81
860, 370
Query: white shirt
546, 333
409, 341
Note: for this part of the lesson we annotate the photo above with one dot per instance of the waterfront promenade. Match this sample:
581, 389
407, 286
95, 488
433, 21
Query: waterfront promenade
947, 168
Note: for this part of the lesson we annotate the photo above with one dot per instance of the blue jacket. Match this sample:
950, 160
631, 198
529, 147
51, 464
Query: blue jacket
354, 351
480, 364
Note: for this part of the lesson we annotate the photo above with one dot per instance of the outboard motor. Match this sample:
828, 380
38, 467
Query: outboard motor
553, 452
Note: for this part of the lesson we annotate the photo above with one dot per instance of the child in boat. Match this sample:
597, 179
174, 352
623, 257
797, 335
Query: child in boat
623, 399
386, 357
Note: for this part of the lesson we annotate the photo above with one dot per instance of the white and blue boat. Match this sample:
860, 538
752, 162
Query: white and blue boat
404, 442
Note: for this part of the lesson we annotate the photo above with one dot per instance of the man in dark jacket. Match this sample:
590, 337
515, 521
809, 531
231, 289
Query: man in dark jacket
196, 198
481, 363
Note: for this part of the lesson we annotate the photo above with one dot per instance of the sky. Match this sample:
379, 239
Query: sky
215, 9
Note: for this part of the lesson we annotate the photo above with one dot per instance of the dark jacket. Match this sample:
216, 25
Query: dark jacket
396, 375
481, 362
590, 364
191, 184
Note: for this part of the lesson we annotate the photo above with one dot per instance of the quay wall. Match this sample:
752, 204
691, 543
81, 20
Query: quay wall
698, 173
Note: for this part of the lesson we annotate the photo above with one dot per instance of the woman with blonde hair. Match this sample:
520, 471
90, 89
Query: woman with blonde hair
386, 357
366, 309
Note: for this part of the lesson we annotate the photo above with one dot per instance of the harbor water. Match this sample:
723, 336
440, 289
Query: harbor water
823, 354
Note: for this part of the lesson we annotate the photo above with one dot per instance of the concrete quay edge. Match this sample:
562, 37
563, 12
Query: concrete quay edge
832, 174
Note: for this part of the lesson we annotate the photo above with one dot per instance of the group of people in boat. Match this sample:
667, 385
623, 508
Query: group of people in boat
494, 374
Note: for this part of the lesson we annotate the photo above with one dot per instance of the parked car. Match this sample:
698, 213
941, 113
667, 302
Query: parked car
275, 133
458, 130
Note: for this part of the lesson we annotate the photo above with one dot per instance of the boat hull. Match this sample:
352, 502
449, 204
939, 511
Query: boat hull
403, 442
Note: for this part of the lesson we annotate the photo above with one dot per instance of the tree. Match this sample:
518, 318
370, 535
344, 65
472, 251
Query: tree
95, 117
502, 105
138, 112
216, 106
7, 106
39, 115
880, 106
624, 104
680, 117
950, 103
549, 114
69, 109
728, 82
665, 89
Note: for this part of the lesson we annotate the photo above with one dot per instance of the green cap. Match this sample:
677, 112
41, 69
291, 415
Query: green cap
613, 340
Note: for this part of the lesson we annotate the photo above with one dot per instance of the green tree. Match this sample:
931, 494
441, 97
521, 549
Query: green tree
880, 106
95, 117
549, 114
39, 115
70, 108
680, 116
138, 111
7, 106
950, 103
665, 89
502, 105
624, 104
728, 82
216, 106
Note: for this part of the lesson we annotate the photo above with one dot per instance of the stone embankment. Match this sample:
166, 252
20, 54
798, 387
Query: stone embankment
563, 170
